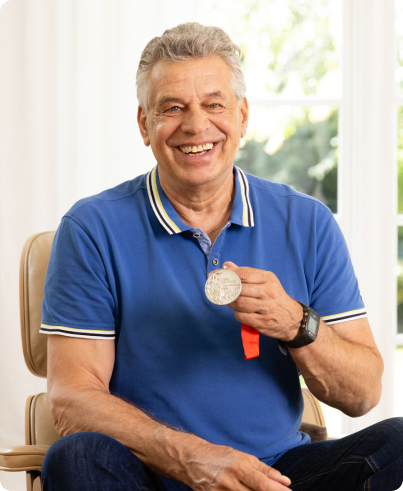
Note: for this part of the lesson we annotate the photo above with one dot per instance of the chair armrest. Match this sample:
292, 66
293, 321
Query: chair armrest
22, 458
316, 432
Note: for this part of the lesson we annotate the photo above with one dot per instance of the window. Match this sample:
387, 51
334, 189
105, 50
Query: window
398, 402
290, 57
320, 76
291, 54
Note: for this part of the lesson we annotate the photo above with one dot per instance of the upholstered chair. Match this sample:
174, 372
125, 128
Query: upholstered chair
39, 428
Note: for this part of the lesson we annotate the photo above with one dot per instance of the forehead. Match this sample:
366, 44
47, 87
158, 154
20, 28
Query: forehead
190, 79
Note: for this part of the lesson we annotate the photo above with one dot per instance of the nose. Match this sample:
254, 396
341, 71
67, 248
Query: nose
195, 120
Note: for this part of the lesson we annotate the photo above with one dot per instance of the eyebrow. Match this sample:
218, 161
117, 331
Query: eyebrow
167, 99
217, 93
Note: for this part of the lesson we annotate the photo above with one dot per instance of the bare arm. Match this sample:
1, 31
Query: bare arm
342, 368
79, 372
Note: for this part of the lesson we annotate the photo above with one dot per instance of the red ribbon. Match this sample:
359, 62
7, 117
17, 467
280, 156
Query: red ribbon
250, 341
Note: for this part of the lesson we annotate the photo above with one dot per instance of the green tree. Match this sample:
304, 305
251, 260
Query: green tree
289, 48
306, 161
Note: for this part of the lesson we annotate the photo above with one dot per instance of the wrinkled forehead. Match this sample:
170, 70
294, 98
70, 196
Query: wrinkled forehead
190, 80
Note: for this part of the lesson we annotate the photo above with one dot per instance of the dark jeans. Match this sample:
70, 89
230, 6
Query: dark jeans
370, 460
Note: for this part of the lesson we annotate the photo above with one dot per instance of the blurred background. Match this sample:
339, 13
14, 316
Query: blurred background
325, 87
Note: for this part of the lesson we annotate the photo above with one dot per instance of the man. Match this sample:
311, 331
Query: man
147, 380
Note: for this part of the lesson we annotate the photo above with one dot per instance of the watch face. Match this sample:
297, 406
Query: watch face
308, 331
312, 324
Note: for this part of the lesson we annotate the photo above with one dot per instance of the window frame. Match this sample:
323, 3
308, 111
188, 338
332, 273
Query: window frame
367, 173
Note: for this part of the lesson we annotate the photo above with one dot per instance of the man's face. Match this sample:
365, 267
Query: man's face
195, 123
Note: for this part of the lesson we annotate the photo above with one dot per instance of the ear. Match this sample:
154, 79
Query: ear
244, 108
142, 122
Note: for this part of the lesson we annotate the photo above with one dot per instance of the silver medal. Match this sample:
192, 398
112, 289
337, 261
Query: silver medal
223, 287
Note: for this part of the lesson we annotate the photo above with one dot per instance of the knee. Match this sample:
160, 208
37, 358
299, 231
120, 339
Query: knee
72, 452
90, 460
389, 429
76, 443
393, 425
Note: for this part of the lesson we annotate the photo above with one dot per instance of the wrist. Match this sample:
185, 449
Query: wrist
298, 317
308, 330
183, 448
166, 451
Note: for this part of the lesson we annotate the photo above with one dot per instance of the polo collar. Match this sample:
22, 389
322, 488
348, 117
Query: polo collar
241, 213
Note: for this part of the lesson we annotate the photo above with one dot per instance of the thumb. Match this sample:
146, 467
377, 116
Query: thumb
229, 264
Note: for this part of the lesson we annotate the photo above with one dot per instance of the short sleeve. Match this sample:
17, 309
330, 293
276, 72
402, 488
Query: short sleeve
77, 300
336, 295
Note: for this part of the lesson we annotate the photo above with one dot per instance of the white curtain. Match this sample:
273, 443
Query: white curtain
67, 130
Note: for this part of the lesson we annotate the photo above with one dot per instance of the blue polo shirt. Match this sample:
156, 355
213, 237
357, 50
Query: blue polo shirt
124, 266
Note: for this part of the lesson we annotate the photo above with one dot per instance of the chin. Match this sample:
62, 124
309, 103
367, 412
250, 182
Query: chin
199, 177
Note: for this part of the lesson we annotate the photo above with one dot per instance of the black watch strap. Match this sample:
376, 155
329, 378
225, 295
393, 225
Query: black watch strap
308, 330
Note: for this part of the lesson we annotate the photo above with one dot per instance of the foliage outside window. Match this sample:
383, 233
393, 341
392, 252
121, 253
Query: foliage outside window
301, 152
290, 50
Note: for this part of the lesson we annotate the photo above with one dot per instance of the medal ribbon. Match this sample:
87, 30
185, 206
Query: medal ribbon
250, 341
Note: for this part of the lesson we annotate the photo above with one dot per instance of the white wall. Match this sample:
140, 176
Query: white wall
368, 176
67, 130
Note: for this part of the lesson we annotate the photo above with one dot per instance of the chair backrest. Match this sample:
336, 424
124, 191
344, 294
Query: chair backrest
33, 267
312, 410
39, 425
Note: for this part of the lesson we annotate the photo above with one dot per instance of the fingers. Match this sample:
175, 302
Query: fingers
215, 468
266, 480
271, 473
250, 319
274, 474
254, 298
248, 304
250, 275
229, 264
253, 290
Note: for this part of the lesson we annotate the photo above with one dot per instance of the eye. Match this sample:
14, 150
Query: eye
215, 105
174, 109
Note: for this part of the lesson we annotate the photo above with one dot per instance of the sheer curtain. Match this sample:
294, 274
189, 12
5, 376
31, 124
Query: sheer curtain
67, 130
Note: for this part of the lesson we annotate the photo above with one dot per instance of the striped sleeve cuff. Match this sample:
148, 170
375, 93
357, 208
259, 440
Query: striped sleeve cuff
344, 316
75, 332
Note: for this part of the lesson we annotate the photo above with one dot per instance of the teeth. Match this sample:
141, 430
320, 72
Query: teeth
195, 149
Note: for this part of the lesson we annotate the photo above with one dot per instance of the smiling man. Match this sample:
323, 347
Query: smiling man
147, 379
194, 124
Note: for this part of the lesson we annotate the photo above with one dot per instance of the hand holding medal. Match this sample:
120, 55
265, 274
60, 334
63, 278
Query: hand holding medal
258, 299
222, 288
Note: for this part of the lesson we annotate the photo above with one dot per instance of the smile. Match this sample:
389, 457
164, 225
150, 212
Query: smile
196, 150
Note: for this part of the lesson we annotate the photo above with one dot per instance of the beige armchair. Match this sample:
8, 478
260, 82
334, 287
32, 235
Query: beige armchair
39, 428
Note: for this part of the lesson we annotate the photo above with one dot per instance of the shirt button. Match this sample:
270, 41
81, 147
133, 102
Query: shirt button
196, 235
215, 262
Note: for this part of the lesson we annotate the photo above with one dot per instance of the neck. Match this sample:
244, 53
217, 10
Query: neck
207, 206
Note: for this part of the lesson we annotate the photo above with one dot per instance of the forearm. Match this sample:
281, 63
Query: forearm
79, 373
162, 449
341, 373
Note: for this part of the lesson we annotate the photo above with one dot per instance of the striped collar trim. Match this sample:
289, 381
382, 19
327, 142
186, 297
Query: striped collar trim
169, 219
155, 199
247, 211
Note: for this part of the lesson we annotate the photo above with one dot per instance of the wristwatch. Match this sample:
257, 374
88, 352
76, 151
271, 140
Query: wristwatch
308, 330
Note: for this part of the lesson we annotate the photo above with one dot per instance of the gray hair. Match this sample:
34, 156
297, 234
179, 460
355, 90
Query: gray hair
190, 40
